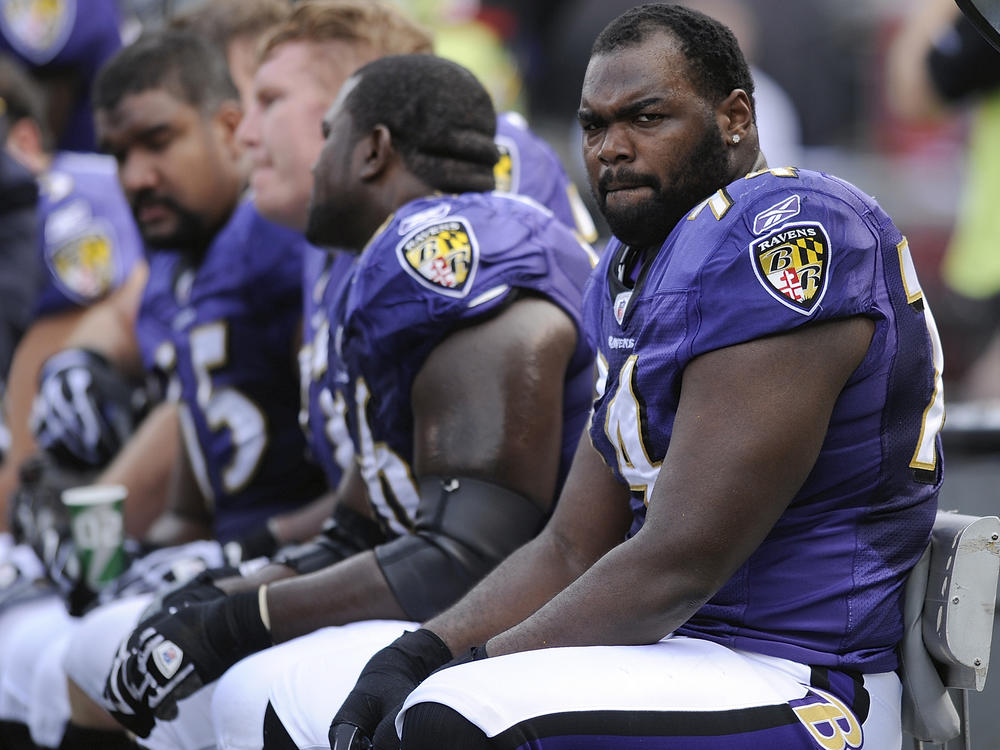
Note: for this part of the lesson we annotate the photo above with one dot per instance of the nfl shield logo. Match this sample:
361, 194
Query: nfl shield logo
621, 305
168, 658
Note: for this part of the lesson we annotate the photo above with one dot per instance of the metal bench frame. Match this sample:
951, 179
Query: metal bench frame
948, 628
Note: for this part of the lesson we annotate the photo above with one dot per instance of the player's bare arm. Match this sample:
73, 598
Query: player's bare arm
591, 517
109, 328
187, 516
144, 465
511, 439
718, 494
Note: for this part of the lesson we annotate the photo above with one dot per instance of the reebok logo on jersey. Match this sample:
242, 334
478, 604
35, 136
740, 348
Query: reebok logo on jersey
792, 264
443, 256
409, 223
168, 658
777, 214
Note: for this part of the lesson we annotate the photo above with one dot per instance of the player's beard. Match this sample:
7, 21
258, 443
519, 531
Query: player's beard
333, 221
324, 223
647, 223
190, 232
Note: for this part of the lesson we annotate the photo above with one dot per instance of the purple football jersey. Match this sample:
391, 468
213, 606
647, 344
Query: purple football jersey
88, 240
324, 409
77, 35
529, 166
442, 263
223, 332
771, 252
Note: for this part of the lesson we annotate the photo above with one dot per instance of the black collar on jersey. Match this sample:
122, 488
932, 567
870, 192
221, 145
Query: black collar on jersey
619, 270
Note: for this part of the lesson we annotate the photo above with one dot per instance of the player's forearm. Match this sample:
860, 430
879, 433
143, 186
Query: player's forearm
306, 522
109, 327
144, 466
508, 595
350, 591
171, 529
626, 598
268, 574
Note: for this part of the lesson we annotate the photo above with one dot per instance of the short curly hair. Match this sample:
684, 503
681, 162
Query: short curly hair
441, 119
184, 63
711, 49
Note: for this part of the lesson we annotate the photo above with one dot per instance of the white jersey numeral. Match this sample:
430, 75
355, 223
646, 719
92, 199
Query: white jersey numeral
391, 488
224, 408
925, 454
624, 428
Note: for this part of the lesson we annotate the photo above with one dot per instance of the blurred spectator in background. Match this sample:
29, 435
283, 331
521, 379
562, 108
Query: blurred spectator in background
777, 116
64, 43
234, 26
20, 274
938, 67
478, 36
87, 246
552, 41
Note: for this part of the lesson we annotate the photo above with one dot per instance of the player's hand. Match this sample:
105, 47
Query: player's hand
388, 677
199, 589
84, 409
177, 652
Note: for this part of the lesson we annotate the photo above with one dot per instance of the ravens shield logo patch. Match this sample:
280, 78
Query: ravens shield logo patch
792, 264
38, 29
443, 256
85, 266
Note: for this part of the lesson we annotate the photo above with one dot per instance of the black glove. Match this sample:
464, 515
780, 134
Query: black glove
201, 588
385, 734
388, 677
344, 534
176, 653
84, 409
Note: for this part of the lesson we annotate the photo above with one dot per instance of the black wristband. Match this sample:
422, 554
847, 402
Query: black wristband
235, 629
425, 649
